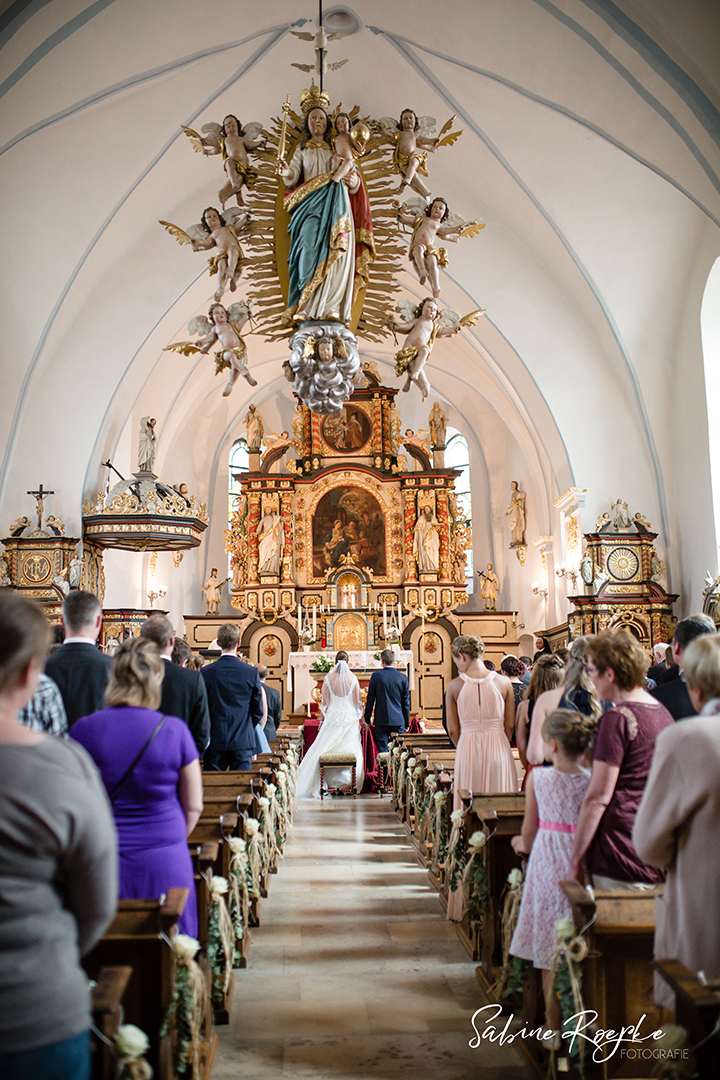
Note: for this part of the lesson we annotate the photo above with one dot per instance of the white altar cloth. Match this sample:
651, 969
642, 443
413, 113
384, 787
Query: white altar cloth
301, 682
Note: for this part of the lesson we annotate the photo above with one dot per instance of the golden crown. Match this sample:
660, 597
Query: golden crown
314, 98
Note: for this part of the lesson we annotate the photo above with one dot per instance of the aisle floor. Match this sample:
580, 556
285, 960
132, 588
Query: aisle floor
355, 971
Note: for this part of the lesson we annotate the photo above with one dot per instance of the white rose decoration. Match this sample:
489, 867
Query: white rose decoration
515, 878
456, 816
565, 929
185, 946
131, 1042
237, 845
263, 802
438, 797
412, 762
218, 885
252, 826
477, 840
271, 789
418, 770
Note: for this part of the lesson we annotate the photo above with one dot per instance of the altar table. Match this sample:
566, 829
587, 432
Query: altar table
301, 682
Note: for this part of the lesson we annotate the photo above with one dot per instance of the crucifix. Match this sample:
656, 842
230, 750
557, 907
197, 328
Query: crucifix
40, 496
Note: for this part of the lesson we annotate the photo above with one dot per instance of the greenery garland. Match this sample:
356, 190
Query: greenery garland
185, 1012
515, 970
222, 951
440, 825
475, 879
566, 981
456, 848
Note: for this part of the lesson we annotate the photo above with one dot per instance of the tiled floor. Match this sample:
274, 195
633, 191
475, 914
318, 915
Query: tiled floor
355, 972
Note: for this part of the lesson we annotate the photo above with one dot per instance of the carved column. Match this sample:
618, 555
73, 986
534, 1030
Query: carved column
443, 516
377, 425
286, 558
410, 519
252, 536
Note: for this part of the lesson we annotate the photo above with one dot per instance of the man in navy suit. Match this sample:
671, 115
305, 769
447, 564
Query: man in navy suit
78, 667
389, 695
235, 700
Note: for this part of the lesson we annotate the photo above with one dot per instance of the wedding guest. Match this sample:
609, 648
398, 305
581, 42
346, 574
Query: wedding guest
58, 870
677, 824
547, 673
576, 692
603, 848
78, 668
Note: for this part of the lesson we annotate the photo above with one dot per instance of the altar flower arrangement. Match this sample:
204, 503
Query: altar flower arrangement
393, 635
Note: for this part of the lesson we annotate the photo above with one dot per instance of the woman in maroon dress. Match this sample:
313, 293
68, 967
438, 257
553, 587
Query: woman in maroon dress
150, 767
616, 663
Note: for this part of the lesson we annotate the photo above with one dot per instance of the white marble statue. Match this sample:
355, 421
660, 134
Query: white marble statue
516, 513
212, 590
254, 428
426, 542
620, 516
489, 588
270, 542
146, 444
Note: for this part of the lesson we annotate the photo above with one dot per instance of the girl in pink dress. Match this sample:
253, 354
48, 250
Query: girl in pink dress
553, 800
480, 709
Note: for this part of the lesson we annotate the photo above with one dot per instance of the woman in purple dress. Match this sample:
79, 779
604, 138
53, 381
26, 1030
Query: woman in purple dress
150, 767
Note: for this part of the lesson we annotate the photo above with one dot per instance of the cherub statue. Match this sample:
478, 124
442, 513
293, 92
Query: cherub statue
232, 141
220, 231
413, 439
326, 367
413, 143
423, 324
344, 161
222, 326
276, 442
428, 224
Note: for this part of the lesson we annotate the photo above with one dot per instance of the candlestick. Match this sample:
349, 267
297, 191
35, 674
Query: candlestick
385, 619
314, 622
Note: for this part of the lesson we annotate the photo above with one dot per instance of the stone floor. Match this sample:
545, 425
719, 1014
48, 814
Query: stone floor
355, 972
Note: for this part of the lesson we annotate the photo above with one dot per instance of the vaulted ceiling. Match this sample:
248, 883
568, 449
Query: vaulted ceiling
589, 147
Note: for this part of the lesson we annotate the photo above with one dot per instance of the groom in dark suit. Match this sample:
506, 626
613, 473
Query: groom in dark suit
235, 700
389, 695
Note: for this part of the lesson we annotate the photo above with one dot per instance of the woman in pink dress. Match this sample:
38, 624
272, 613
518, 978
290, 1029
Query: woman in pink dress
480, 709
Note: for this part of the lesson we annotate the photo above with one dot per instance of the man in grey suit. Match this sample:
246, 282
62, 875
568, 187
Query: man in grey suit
389, 696
274, 705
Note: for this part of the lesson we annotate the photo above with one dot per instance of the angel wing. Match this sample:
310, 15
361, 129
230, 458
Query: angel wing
465, 228
388, 122
212, 133
185, 348
232, 216
448, 319
238, 312
472, 317
406, 310
180, 235
416, 206
199, 324
303, 35
427, 125
336, 65
304, 67
452, 137
252, 130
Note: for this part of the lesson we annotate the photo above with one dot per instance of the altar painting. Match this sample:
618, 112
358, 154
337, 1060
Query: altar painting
348, 521
349, 430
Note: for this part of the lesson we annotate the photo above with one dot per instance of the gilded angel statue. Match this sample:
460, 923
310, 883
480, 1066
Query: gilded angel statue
430, 223
232, 141
221, 327
423, 324
412, 137
216, 230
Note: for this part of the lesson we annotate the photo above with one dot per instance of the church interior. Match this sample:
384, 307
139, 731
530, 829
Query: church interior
550, 470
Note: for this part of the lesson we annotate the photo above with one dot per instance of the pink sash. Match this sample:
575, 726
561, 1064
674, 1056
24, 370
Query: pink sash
556, 826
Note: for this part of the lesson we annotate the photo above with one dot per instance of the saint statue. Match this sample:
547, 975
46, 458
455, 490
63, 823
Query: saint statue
426, 542
212, 589
254, 429
146, 444
620, 516
437, 422
516, 513
489, 588
270, 536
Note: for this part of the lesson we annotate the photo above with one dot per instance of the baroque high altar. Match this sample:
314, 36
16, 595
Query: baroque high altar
349, 535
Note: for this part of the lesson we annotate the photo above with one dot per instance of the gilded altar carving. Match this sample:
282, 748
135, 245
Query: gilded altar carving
350, 633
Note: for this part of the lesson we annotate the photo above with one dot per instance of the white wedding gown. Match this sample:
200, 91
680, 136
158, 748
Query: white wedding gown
339, 732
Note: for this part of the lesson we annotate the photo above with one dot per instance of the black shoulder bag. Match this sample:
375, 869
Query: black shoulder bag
131, 768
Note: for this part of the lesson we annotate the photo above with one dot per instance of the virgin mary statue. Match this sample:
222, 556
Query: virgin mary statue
327, 216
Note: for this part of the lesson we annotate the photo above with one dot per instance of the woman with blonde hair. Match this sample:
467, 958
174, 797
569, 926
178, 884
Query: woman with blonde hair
150, 767
576, 693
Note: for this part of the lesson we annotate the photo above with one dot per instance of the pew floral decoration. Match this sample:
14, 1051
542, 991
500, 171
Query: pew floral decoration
414, 789
440, 826
268, 844
430, 783
186, 1010
275, 817
565, 980
240, 884
406, 762
222, 951
252, 832
474, 881
456, 846
514, 969
131, 1045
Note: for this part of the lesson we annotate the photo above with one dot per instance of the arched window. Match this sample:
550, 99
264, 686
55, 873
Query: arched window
457, 456
239, 463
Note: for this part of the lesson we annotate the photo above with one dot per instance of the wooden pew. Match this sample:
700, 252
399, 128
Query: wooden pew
139, 937
106, 1006
697, 1009
618, 972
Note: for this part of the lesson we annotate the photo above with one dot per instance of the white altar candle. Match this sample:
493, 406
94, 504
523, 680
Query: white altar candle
299, 615
314, 622
385, 618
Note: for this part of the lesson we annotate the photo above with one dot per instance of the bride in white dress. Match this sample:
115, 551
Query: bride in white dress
341, 709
